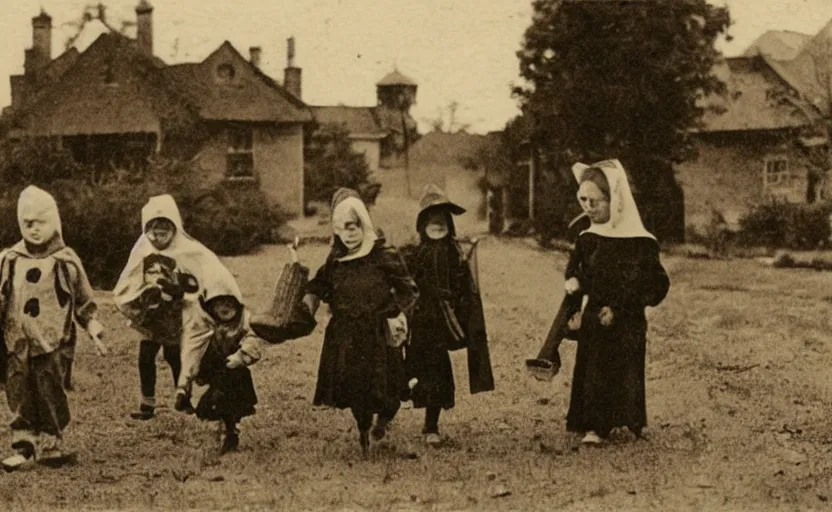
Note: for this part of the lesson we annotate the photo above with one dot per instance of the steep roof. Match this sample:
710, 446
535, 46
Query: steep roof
249, 96
360, 122
396, 78
804, 71
778, 44
109, 88
757, 98
439, 148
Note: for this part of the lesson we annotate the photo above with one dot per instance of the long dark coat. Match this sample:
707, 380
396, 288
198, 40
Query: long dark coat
427, 358
608, 383
357, 368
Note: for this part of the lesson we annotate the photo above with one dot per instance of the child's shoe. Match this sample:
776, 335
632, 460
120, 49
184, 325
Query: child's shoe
144, 413
24, 458
591, 438
432, 439
53, 455
380, 428
183, 403
231, 442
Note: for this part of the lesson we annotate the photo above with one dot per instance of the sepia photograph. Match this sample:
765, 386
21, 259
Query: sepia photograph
416, 255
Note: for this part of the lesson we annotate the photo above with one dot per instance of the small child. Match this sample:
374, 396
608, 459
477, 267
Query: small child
224, 366
45, 291
365, 285
440, 320
150, 292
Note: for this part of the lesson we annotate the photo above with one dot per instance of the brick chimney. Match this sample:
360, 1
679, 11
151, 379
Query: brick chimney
291, 75
144, 28
254, 54
41, 40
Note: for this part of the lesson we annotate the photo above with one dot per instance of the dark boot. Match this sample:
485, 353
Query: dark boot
380, 429
231, 442
183, 403
144, 413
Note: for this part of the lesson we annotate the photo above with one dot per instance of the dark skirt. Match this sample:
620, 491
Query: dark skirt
428, 359
357, 369
608, 381
230, 395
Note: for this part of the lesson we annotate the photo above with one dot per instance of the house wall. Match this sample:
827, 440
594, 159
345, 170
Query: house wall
371, 150
278, 163
728, 176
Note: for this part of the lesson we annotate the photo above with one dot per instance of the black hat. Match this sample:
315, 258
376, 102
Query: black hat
433, 196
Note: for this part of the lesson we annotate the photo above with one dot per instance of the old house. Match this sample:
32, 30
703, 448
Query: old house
755, 145
116, 104
380, 132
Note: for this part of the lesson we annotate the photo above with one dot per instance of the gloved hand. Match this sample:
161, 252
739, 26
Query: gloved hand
171, 289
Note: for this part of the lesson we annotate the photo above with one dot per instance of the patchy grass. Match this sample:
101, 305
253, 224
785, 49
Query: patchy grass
738, 402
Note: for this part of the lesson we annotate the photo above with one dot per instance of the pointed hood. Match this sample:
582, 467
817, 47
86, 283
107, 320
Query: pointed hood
163, 207
191, 257
625, 221
347, 206
37, 204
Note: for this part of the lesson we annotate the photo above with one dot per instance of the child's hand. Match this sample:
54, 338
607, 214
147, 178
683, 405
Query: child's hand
574, 323
96, 331
572, 285
234, 361
606, 316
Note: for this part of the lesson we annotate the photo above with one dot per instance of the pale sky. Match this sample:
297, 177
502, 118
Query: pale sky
457, 50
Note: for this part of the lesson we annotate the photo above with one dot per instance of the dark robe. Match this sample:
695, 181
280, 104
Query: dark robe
441, 275
358, 369
444, 276
231, 394
608, 383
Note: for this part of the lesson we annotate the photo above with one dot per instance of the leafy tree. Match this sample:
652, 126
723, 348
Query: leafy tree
331, 163
620, 79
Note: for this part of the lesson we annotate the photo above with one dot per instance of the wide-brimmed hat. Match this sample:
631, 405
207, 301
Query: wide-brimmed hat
434, 197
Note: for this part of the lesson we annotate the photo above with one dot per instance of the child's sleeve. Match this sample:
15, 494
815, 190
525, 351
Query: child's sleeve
403, 287
86, 309
573, 266
321, 285
655, 282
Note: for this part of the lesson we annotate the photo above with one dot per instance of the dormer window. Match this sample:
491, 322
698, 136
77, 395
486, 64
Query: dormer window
226, 73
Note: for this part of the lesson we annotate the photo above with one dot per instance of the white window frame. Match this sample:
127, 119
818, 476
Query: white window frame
239, 151
776, 167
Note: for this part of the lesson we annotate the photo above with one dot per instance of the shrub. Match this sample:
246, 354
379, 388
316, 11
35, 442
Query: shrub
331, 163
101, 213
231, 221
787, 225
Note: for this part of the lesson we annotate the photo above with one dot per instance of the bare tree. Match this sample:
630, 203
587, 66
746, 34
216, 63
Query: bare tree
447, 119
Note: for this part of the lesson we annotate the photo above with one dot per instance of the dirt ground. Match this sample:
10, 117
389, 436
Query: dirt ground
738, 398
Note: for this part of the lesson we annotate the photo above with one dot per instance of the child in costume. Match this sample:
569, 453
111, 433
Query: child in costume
366, 285
616, 264
45, 292
441, 320
224, 366
157, 292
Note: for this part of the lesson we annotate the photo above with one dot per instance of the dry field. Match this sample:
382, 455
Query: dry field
738, 402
